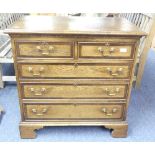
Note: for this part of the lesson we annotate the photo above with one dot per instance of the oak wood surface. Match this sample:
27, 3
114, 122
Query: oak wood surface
77, 77
75, 70
74, 90
45, 49
99, 50
74, 25
28, 129
74, 111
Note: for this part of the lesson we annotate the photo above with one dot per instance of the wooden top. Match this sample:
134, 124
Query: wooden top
74, 25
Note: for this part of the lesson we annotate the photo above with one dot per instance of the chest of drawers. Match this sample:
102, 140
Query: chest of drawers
74, 71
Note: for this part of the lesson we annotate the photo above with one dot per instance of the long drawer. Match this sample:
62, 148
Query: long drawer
75, 90
45, 49
74, 111
105, 50
75, 70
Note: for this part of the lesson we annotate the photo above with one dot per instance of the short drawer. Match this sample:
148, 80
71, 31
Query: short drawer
75, 71
74, 90
74, 111
105, 50
45, 49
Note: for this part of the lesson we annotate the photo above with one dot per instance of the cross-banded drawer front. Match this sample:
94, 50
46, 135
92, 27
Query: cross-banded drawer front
45, 49
74, 111
75, 71
105, 50
74, 90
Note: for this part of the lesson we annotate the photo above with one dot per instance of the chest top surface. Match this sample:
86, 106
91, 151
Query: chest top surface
74, 25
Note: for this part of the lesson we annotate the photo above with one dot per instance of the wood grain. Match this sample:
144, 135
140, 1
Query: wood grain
74, 25
74, 111
119, 128
45, 49
75, 70
101, 50
74, 90
75, 85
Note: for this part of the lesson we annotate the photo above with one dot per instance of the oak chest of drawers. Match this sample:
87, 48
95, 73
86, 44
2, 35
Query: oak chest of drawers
74, 71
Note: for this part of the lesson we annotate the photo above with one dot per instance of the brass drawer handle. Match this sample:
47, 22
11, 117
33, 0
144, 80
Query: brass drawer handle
112, 50
44, 48
112, 92
107, 113
38, 73
100, 49
40, 92
116, 73
45, 53
107, 48
43, 112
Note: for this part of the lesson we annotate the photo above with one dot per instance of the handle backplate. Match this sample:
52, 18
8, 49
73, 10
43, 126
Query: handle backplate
36, 72
38, 92
40, 112
112, 92
109, 113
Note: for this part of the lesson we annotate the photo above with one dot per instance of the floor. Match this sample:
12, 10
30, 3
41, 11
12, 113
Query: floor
141, 116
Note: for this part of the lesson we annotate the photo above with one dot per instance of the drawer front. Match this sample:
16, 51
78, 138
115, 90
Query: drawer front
74, 90
45, 49
105, 50
75, 71
72, 111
